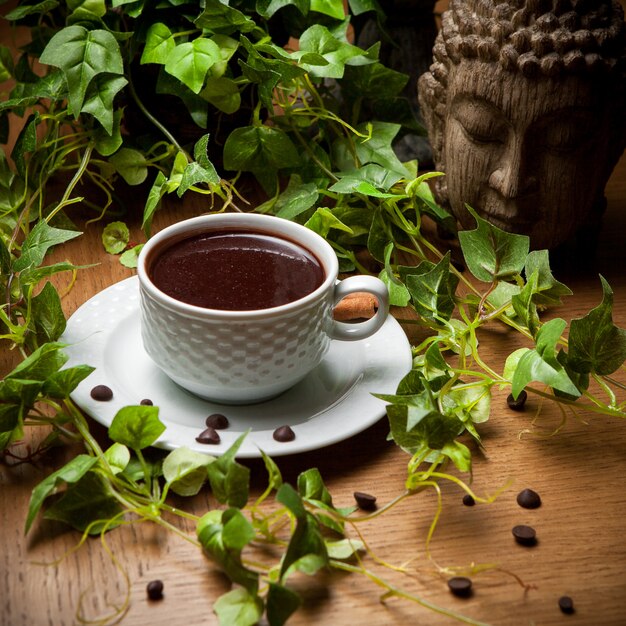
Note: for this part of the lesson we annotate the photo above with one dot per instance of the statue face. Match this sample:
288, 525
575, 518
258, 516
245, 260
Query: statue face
529, 155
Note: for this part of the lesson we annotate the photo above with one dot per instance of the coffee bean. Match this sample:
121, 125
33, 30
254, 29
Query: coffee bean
566, 604
208, 435
468, 500
155, 590
517, 404
525, 535
365, 501
460, 586
284, 433
146, 402
217, 421
102, 393
528, 499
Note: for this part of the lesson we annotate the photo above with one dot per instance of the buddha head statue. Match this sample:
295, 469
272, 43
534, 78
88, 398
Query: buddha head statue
526, 114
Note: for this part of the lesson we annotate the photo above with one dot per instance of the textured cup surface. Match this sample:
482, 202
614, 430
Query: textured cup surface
241, 357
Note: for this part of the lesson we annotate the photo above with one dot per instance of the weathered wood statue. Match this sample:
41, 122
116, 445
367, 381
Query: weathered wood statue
526, 112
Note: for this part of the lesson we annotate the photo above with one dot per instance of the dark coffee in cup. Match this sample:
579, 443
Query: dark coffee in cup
235, 270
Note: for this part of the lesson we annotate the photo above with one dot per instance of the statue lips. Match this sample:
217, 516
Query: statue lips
517, 215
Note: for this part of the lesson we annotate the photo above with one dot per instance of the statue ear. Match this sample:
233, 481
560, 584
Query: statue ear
432, 106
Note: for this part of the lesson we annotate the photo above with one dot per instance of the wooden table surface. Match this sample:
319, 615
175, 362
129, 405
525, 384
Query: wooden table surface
579, 473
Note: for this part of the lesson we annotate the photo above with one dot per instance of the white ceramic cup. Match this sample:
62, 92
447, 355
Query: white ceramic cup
243, 357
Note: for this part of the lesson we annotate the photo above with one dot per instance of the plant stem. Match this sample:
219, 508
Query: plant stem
154, 121
395, 591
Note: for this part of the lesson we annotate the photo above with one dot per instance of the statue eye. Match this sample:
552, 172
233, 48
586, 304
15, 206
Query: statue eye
567, 133
481, 124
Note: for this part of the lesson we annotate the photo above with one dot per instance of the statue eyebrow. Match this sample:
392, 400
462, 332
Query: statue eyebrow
474, 100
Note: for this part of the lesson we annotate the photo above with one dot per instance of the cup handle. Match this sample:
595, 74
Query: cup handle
360, 330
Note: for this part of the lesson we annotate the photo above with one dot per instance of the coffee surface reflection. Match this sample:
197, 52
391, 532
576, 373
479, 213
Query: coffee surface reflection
235, 271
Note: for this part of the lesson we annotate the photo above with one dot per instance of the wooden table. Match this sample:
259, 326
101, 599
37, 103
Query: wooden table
579, 473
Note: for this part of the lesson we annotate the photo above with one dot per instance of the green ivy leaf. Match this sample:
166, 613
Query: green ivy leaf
5, 258
47, 314
297, 198
541, 364
281, 604
34, 275
375, 147
311, 486
268, 72
191, 61
238, 607
230, 480
549, 290
81, 55
306, 551
106, 143
524, 304
70, 473
37, 243
366, 178
118, 457
87, 505
492, 254
96, 7
99, 99
41, 364
195, 173
217, 17
222, 93
136, 426
596, 345
178, 170
471, 405
358, 7
26, 142
115, 237
432, 291
373, 81
255, 148
380, 235
159, 44
323, 221
430, 434
129, 257
157, 191
319, 40
224, 534
185, 470
131, 165
23, 11
398, 293
228, 46
332, 8
502, 296
60, 384
344, 548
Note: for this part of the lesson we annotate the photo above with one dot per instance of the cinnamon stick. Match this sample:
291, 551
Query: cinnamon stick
355, 306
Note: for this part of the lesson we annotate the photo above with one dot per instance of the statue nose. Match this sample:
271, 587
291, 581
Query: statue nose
512, 177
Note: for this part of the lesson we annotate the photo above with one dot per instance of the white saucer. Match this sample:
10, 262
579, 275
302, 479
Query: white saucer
333, 403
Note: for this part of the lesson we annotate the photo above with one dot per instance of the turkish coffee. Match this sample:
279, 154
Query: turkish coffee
235, 270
